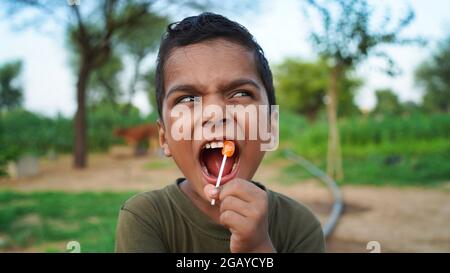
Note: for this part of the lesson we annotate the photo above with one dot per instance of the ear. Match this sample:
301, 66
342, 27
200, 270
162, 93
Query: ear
162, 138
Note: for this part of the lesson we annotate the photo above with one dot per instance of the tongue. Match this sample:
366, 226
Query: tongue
213, 159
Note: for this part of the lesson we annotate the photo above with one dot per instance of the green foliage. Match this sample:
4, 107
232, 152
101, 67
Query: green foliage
434, 76
370, 134
387, 103
399, 150
348, 35
40, 219
104, 83
11, 91
131, 47
24, 132
103, 119
301, 87
377, 169
145, 37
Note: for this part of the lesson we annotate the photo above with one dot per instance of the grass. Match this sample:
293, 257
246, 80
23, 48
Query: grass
426, 171
158, 164
395, 151
46, 221
399, 151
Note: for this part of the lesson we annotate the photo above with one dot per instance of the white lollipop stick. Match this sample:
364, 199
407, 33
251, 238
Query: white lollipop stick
219, 177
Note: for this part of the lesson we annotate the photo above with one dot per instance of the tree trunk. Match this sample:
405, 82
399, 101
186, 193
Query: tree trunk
334, 157
80, 157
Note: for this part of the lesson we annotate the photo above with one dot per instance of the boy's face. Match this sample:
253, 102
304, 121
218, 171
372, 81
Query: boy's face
220, 73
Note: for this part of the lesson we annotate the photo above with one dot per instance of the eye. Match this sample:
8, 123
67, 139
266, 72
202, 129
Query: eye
241, 94
187, 99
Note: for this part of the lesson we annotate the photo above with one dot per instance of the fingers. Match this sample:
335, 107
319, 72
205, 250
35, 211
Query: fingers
237, 205
243, 210
241, 189
232, 220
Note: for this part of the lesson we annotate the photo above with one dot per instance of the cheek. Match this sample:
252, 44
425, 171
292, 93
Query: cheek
251, 158
180, 122
253, 149
252, 126
181, 149
180, 145
183, 155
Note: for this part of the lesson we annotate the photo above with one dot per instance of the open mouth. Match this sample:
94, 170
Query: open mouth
211, 158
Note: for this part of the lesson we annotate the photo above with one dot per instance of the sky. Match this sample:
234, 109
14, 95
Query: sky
280, 27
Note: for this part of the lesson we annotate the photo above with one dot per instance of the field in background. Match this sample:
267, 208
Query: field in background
45, 212
409, 150
46, 221
398, 150
61, 204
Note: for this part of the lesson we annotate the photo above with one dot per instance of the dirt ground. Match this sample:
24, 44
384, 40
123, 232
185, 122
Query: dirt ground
406, 219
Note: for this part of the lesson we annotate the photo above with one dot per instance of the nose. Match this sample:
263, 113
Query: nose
214, 112
212, 122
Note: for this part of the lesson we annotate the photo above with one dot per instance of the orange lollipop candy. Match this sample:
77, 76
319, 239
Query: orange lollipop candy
228, 148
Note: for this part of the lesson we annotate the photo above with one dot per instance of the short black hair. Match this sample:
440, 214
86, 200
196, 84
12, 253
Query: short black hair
203, 27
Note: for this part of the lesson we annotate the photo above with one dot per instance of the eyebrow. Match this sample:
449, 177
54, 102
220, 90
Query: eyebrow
223, 87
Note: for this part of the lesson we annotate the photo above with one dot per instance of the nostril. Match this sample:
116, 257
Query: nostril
216, 122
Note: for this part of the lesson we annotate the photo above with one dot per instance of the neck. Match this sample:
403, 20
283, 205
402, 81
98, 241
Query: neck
212, 212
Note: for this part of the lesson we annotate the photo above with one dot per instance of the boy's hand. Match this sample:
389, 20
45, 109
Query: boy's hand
243, 210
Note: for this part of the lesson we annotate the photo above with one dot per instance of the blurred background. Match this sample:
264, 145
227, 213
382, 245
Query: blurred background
363, 89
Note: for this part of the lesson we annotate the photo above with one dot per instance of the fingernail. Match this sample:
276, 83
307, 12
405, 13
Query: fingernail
213, 191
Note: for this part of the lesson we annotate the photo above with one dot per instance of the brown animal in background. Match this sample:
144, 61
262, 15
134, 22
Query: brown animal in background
134, 135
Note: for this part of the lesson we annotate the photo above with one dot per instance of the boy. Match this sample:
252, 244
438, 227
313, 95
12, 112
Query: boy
211, 59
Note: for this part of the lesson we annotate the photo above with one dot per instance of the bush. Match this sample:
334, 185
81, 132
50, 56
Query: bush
25, 132
393, 149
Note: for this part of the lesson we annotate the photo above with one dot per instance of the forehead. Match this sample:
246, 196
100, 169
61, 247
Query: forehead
209, 63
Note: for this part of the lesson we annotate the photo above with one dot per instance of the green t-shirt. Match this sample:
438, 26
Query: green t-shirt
166, 220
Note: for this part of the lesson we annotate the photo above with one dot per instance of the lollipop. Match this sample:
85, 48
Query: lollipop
227, 151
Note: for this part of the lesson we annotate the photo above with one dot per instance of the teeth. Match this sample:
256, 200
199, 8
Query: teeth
213, 145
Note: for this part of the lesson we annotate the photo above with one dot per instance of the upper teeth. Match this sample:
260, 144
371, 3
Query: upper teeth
213, 145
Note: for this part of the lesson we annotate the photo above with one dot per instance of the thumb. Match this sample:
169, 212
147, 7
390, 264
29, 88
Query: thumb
211, 192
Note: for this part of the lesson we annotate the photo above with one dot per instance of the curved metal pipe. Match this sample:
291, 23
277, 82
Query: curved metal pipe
337, 208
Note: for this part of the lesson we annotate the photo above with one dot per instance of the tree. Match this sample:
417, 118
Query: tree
409, 108
11, 91
138, 44
104, 84
94, 42
347, 38
107, 83
301, 87
433, 75
387, 103
96, 28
